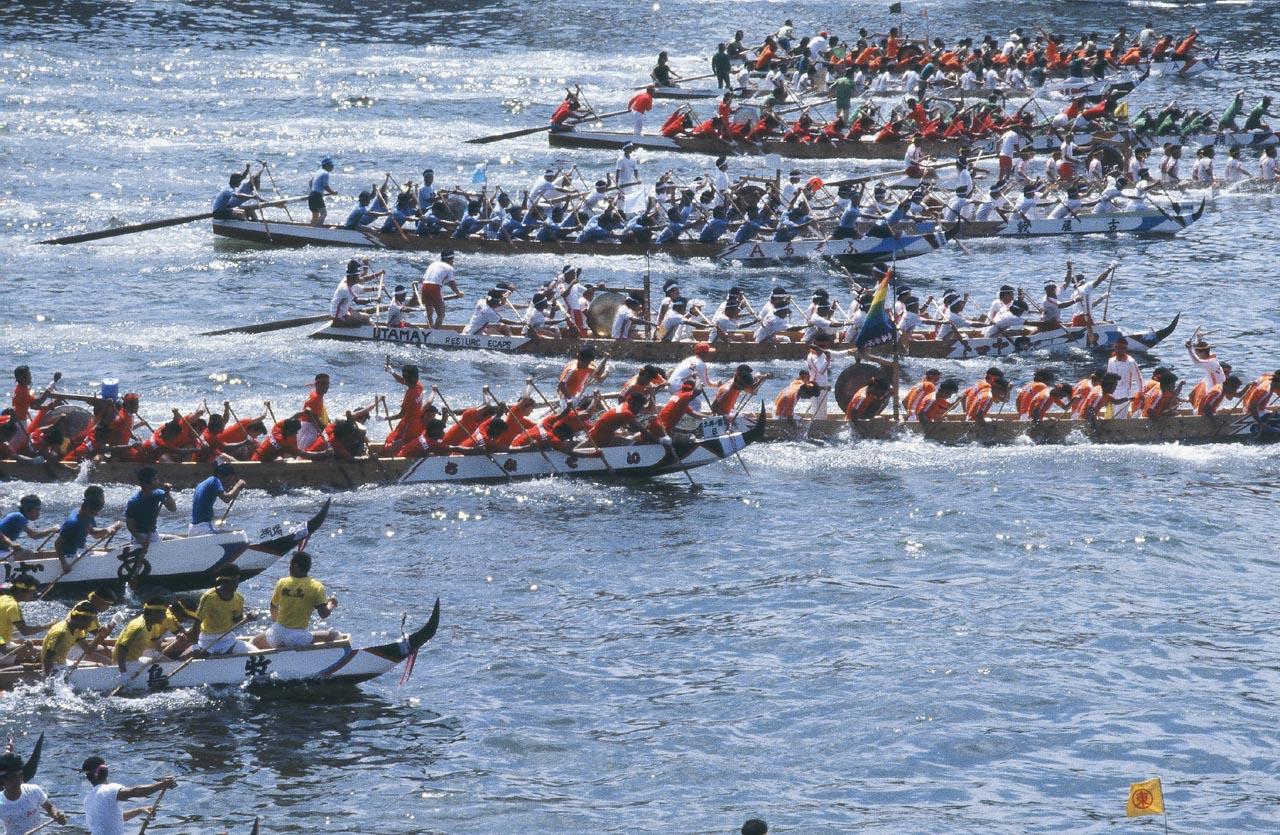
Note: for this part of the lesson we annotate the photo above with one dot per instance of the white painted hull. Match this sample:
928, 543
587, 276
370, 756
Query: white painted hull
864, 250
421, 336
1137, 223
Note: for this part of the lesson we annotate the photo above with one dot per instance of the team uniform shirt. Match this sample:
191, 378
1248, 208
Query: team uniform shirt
627, 171
13, 526
955, 209
1130, 377
206, 493
104, 814
483, 317
676, 328
343, 301
770, 327
1004, 321
144, 509
438, 273
952, 327
1267, 169
217, 616
320, 182
724, 325
59, 640
22, 815
541, 191
817, 324
1202, 171
74, 533
818, 364
1107, 200
623, 322
295, 598
395, 315
693, 367
10, 617
1235, 171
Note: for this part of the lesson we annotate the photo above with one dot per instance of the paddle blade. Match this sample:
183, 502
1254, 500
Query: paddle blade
33, 762
254, 831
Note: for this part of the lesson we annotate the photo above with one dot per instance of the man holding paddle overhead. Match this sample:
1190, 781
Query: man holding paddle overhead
318, 190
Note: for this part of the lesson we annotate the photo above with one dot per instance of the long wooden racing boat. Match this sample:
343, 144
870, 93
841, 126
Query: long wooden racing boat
1183, 428
181, 564
1100, 337
327, 663
632, 461
849, 149
1157, 222
852, 251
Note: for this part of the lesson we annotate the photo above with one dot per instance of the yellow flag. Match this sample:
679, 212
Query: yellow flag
1122, 110
1145, 798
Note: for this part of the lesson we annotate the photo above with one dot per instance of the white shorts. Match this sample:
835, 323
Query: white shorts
223, 645
202, 529
146, 538
282, 637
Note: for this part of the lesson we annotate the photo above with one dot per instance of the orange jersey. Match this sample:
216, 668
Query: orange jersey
22, 400
933, 408
574, 379
1260, 395
463, 427
276, 445
916, 396
238, 433
610, 423
315, 409
1042, 403
1027, 395
676, 407
1209, 402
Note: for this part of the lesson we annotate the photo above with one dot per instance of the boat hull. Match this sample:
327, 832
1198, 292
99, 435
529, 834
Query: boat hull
853, 149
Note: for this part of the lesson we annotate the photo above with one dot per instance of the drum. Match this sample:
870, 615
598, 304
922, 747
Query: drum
603, 309
855, 377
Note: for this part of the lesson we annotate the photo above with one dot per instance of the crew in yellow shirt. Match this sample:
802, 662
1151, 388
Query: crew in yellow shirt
22, 589
220, 613
63, 635
292, 603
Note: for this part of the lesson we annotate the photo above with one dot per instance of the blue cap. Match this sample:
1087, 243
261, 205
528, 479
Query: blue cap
326, 161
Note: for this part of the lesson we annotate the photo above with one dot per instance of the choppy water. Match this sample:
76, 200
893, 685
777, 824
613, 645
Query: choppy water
890, 638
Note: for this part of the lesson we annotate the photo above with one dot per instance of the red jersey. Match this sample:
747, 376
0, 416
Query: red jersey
610, 422
676, 407
277, 445
22, 400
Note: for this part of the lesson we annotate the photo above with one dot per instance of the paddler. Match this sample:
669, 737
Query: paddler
18, 524
486, 316
294, 599
103, 813
818, 364
318, 189
142, 640
142, 510
693, 368
1261, 393
63, 635
21, 589
214, 488
344, 310
314, 416
570, 108
1201, 354
410, 413
625, 416
1211, 401
578, 373
282, 442
21, 801
869, 401
80, 525
219, 613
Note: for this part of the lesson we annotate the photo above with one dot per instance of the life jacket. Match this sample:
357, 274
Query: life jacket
865, 404
1259, 396
1027, 395
676, 407
1041, 404
707, 128
916, 396
1208, 402
932, 407
978, 404
784, 405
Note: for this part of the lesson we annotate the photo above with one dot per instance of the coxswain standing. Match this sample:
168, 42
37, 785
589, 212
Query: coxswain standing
626, 171
294, 599
640, 104
410, 412
693, 368
1124, 366
23, 801
103, 813
439, 274
317, 190
1202, 355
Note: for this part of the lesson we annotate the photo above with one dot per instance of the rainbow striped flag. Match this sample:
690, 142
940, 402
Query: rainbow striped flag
877, 328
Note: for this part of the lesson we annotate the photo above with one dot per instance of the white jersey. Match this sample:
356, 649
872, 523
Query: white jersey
724, 326
103, 812
913, 156
987, 211
627, 171
22, 815
623, 322
954, 324
595, 202
395, 315
690, 367
1213, 373
1202, 171
997, 309
1065, 208
1267, 169
575, 298
1026, 207
344, 300
955, 209
1005, 321
541, 191
1235, 171
1107, 200
1130, 377
1134, 170
438, 273
817, 324
1010, 143
483, 317
770, 327
818, 364
675, 328
968, 81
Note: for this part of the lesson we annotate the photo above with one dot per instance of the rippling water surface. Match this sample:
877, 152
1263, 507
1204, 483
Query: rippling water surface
887, 638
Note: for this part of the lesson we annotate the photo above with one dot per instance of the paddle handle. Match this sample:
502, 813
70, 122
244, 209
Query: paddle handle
151, 813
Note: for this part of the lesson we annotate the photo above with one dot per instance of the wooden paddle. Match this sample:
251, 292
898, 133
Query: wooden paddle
100, 542
454, 417
498, 137
153, 224
151, 813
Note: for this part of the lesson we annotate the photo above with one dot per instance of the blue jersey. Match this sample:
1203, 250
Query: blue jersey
74, 533
359, 217
711, 233
747, 231
849, 217
13, 526
144, 509
206, 494
396, 220
223, 203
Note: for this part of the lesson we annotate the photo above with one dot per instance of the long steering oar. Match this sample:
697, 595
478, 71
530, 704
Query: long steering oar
153, 224
512, 134
267, 327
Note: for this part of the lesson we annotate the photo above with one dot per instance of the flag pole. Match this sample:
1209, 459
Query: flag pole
897, 336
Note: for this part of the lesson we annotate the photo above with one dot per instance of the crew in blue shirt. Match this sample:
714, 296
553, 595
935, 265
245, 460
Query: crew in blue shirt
143, 509
715, 227
80, 525
209, 491
18, 523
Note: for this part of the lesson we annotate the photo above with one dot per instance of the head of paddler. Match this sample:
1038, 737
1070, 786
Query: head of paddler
81, 615
95, 770
1231, 385
227, 580
1043, 375
300, 564
146, 476
11, 775
29, 506
1006, 293
999, 390
326, 164
102, 599
636, 400
1111, 380
94, 499
755, 826
410, 373
290, 426
23, 587
993, 374
225, 472
22, 374
154, 611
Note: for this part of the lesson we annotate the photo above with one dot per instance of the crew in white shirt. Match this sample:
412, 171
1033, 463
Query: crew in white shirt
1126, 367
695, 367
103, 809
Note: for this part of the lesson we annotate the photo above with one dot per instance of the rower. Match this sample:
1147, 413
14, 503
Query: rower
917, 394
102, 810
318, 189
678, 324
22, 801
409, 414
1008, 319
345, 439
226, 202
63, 635
543, 191
294, 599
569, 108
1026, 208
437, 275
21, 589
1070, 207
980, 403
18, 524
626, 319
869, 401
430, 442
1004, 298
670, 292
283, 442
344, 306
219, 613
1167, 403
693, 368
1041, 381
80, 525
1124, 366
486, 315
141, 641
395, 310
954, 212
578, 372
625, 416
214, 488
1261, 394
314, 416
744, 381
774, 320
143, 509
1211, 401
1201, 353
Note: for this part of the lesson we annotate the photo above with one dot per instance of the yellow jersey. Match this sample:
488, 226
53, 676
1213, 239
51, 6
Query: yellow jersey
134, 640
218, 616
10, 616
59, 640
295, 598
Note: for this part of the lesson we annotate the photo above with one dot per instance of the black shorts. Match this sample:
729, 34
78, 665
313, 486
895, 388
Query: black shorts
315, 202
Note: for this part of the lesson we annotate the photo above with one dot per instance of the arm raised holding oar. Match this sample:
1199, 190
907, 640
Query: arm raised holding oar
103, 804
